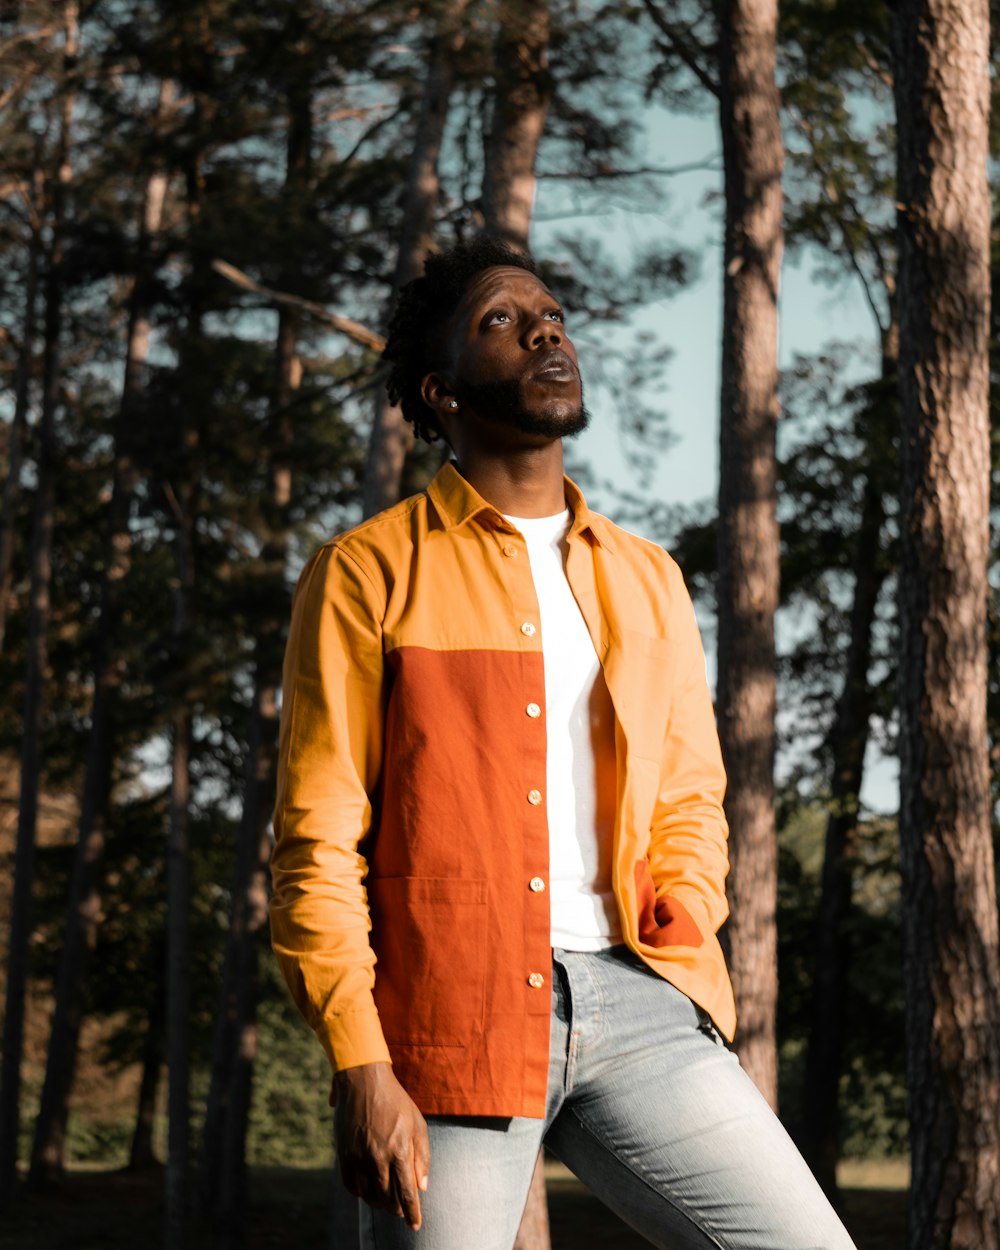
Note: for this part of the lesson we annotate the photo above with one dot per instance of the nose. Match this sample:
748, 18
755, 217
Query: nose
543, 332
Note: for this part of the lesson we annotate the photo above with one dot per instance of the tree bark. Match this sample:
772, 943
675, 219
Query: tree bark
748, 529
521, 101
391, 437
820, 1138
223, 1180
141, 1154
19, 423
949, 898
83, 912
37, 650
534, 1232
175, 1222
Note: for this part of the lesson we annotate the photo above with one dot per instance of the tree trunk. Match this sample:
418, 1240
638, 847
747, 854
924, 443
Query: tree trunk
223, 1180
142, 1156
748, 528
178, 854
520, 105
37, 650
534, 1233
31, 734
391, 437
949, 899
19, 424
83, 913
849, 740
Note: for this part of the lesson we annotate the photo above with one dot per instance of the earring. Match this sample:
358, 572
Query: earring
452, 403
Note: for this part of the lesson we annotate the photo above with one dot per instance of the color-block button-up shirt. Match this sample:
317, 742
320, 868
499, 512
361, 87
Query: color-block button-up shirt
409, 914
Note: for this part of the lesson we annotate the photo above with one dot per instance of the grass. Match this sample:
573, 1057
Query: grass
115, 1210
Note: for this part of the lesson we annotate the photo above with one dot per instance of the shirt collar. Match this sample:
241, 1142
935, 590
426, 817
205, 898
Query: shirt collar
456, 502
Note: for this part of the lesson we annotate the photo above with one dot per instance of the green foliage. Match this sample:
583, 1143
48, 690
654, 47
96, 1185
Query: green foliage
291, 1121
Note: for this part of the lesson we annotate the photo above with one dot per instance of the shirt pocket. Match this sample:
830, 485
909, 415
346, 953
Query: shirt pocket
429, 938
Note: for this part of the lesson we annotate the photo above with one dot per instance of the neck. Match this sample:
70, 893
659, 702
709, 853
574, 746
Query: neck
525, 483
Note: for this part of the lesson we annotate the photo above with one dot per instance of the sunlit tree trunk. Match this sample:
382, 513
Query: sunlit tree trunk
38, 628
391, 437
83, 913
521, 100
949, 899
748, 530
848, 743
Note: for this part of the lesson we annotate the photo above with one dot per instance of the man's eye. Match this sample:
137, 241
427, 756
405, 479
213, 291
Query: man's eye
497, 318
556, 314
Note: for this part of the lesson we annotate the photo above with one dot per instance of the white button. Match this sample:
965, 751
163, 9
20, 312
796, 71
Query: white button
509, 549
534, 797
528, 629
533, 710
536, 885
536, 980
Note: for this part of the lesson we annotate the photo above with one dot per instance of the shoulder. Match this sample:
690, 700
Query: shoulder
635, 550
372, 542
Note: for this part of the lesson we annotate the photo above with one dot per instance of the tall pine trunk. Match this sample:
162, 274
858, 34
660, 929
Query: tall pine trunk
141, 1153
748, 529
83, 914
820, 1138
949, 899
223, 1180
391, 437
176, 1199
38, 628
22, 399
521, 101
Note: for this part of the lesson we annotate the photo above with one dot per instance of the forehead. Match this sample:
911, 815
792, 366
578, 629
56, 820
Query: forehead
500, 281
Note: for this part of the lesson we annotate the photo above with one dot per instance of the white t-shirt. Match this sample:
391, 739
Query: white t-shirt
580, 750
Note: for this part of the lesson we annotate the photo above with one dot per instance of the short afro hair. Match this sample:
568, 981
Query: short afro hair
414, 344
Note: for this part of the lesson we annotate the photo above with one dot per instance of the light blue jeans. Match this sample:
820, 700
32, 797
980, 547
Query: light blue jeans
648, 1107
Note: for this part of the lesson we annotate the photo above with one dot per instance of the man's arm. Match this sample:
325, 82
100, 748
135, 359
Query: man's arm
333, 704
688, 857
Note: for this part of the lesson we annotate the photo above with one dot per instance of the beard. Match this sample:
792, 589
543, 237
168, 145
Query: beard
503, 403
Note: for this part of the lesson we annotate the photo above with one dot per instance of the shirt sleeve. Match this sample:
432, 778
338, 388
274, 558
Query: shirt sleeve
328, 767
688, 854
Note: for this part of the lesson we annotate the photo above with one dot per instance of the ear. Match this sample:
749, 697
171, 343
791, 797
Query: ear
438, 394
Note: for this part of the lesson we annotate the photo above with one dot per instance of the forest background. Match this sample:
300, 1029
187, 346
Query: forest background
204, 210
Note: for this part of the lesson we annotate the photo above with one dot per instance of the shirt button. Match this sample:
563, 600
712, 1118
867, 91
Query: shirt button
533, 710
528, 629
509, 549
536, 885
534, 797
536, 980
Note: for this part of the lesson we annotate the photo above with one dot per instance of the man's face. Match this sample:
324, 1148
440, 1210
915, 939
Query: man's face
513, 364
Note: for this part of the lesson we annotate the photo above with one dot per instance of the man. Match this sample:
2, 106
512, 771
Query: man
501, 851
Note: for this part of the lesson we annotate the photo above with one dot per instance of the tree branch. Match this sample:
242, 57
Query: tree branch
353, 329
709, 162
682, 46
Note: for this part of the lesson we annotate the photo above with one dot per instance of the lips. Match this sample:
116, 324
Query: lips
556, 367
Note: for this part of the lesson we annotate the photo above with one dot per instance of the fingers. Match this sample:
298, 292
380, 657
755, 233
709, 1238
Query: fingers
421, 1155
406, 1189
